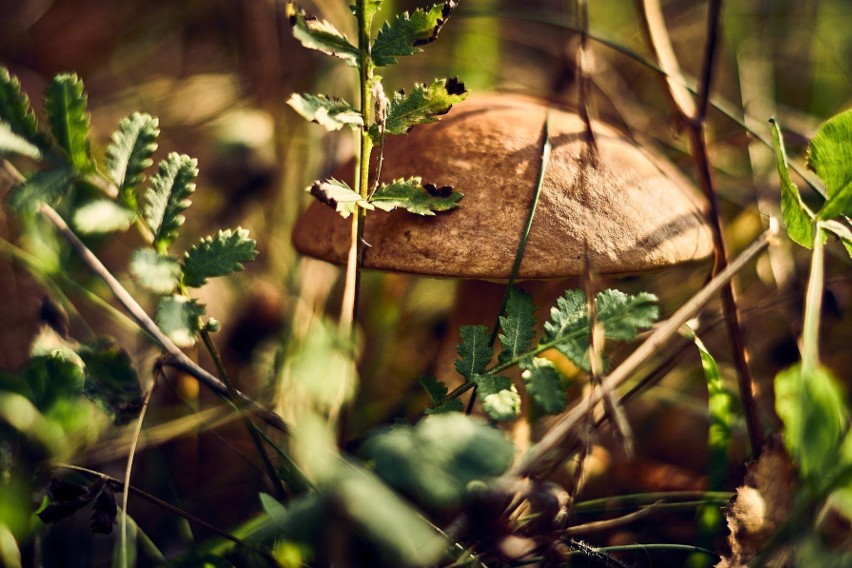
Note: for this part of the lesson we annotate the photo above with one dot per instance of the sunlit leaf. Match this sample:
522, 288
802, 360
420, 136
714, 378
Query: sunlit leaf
179, 318
812, 408
796, 215
13, 144
218, 256
422, 105
830, 156
100, 216
842, 231
15, 107
65, 103
339, 195
321, 36
129, 154
500, 398
168, 197
156, 272
415, 197
403, 34
622, 315
545, 385
330, 112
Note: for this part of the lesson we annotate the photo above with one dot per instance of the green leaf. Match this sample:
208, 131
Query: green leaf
830, 157
129, 154
180, 319
415, 197
218, 256
842, 231
13, 144
812, 407
500, 398
100, 216
47, 186
438, 394
156, 272
371, 8
794, 212
168, 197
568, 327
545, 385
15, 108
719, 406
406, 32
51, 377
517, 325
421, 106
332, 113
65, 104
321, 36
339, 195
622, 315
111, 380
435, 461
474, 350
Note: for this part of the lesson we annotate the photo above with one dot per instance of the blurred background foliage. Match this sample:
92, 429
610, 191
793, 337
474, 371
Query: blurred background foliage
217, 74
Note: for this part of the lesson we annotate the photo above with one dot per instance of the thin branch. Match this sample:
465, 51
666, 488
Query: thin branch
127, 471
607, 524
165, 505
562, 430
693, 117
148, 325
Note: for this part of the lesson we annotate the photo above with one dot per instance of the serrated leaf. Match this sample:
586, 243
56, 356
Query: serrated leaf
568, 326
321, 36
811, 405
500, 398
12, 144
65, 104
545, 385
111, 380
168, 197
622, 315
218, 256
100, 216
48, 186
517, 325
403, 34
156, 272
338, 194
129, 154
474, 350
438, 394
415, 197
67, 497
842, 231
180, 319
796, 215
331, 112
830, 156
422, 106
15, 108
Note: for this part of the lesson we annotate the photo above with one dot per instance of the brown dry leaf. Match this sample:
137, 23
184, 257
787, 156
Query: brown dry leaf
761, 506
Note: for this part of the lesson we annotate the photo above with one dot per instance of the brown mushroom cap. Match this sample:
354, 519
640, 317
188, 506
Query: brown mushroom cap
635, 211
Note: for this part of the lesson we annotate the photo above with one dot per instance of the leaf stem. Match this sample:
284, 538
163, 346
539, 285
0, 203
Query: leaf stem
813, 305
355, 258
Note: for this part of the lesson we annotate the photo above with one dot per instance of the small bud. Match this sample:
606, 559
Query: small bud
212, 325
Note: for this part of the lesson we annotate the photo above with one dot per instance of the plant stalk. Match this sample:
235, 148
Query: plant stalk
813, 305
355, 258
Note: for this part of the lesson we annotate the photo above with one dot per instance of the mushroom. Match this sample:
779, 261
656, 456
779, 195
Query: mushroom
634, 211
